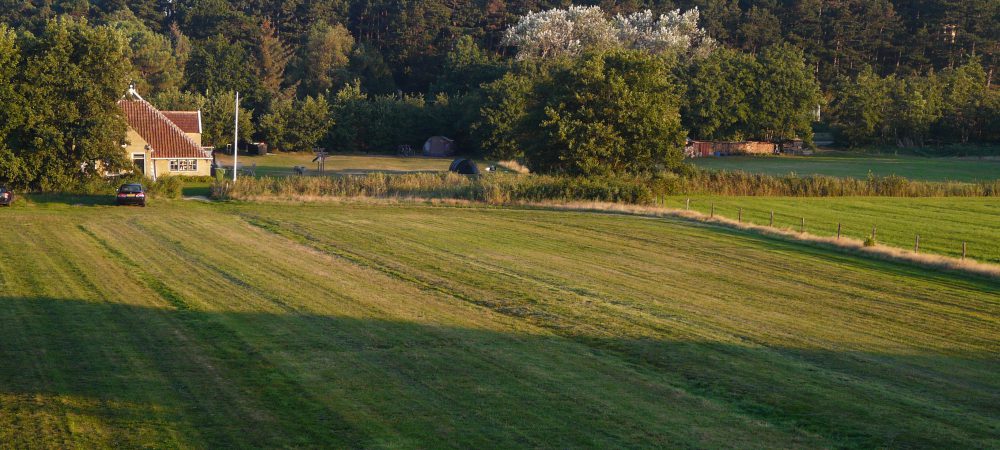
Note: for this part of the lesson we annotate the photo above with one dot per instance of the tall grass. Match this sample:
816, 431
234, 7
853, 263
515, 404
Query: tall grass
493, 189
502, 188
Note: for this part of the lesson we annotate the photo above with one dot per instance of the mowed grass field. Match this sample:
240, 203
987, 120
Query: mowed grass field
349, 325
853, 165
942, 223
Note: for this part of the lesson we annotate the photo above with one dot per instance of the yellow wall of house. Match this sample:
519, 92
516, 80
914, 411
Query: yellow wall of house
163, 168
196, 137
136, 144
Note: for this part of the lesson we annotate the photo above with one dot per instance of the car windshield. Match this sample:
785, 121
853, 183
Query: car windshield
130, 188
2, 189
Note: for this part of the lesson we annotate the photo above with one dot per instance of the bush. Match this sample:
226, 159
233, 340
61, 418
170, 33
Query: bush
870, 241
165, 187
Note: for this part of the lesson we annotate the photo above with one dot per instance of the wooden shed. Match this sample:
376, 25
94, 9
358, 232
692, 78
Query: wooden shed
698, 149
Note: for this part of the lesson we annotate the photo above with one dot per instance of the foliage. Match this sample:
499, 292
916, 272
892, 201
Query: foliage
177, 100
296, 126
218, 120
787, 95
381, 123
324, 59
912, 74
955, 104
219, 65
720, 89
64, 125
157, 63
614, 112
273, 55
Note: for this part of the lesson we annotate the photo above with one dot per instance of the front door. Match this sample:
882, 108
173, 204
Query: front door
140, 162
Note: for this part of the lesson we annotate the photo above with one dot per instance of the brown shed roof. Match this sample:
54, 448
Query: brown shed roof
187, 121
166, 138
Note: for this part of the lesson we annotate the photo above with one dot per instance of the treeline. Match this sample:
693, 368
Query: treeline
409, 39
954, 105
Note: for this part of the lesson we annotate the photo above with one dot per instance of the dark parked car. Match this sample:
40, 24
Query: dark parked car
6, 196
131, 194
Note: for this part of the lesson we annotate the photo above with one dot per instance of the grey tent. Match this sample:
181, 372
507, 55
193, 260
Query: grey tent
439, 146
464, 167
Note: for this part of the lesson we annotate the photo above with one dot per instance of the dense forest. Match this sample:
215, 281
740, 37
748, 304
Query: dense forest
506, 77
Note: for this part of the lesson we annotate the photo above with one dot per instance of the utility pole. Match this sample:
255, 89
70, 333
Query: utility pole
236, 135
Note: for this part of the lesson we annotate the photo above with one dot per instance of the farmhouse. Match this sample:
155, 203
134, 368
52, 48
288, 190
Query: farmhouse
163, 143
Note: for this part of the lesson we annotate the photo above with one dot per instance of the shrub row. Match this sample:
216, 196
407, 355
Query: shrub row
508, 188
493, 189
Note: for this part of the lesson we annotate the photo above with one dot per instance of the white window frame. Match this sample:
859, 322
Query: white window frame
183, 165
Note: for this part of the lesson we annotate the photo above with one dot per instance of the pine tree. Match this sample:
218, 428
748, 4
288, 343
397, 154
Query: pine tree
273, 57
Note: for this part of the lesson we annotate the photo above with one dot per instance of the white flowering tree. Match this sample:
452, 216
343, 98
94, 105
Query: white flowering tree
561, 32
572, 31
674, 32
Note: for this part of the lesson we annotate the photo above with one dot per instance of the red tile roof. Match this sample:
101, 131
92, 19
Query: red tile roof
187, 121
166, 138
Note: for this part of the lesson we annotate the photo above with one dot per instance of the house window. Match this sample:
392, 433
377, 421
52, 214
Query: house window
183, 165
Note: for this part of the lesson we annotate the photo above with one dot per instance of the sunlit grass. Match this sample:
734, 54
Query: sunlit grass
398, 325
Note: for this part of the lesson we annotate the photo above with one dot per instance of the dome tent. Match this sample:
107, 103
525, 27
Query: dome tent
439, 146
464, 167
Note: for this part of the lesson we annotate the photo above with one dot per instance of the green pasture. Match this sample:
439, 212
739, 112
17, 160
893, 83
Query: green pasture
942, 223
190, 324
857, 165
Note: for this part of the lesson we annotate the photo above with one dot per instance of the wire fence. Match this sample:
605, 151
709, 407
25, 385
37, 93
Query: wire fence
870, 234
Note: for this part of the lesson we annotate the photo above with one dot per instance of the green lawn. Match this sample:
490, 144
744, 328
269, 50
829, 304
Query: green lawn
942, 223
854, 165
282, 164
188, 324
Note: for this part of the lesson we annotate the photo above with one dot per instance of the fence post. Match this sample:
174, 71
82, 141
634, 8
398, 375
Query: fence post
838, 231
916, 245
740, 216
802, 228
713, 211
772, 219
963, 249
874, 231
687, 204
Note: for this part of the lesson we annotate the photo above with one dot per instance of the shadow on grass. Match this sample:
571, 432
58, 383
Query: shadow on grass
197, 190
72, 199
231, 379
